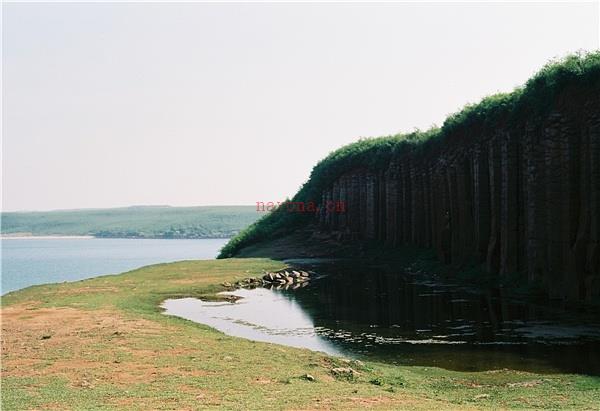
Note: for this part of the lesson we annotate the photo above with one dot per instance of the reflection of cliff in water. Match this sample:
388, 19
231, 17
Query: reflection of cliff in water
378, 313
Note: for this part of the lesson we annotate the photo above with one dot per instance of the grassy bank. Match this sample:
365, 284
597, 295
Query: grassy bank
103, 343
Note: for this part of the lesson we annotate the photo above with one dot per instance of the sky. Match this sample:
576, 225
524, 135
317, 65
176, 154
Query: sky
108, 105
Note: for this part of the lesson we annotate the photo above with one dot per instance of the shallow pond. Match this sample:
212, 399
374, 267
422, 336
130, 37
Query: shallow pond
380, 314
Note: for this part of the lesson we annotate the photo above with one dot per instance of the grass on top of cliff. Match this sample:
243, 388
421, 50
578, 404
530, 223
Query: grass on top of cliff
103, 343
532, 101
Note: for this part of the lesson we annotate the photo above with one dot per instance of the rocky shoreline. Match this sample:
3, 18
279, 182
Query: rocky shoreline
283, 279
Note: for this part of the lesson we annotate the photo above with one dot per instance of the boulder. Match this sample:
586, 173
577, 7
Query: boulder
346, 373
308, 377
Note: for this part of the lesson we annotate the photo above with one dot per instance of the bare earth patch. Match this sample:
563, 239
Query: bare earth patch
86, 290
187, 281
64, 341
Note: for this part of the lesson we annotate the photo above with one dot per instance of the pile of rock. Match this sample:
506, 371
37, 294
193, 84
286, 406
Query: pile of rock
283, 277
249, 283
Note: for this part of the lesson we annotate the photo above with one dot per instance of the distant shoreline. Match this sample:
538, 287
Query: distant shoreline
87, 237
131, 222
44, 237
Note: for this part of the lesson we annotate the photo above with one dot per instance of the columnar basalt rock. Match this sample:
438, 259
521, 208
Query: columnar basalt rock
523, 199
370, 182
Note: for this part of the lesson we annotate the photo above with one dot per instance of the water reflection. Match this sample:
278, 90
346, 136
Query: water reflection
261, 315
385, 315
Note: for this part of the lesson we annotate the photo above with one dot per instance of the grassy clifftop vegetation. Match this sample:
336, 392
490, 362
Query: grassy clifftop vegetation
531, 101
134, 222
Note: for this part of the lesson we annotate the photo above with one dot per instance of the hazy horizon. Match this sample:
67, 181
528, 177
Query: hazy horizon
128, 206
193, 104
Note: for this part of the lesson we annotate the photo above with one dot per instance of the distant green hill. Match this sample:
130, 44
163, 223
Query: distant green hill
134, 222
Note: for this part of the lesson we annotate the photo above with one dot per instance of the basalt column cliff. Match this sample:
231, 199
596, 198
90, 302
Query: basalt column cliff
511, 184
524, 198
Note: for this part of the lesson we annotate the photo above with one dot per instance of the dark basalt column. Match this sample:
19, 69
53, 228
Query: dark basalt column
371, 206
481, 201
520, 199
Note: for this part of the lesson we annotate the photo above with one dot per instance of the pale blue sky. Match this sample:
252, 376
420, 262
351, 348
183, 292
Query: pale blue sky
198, 104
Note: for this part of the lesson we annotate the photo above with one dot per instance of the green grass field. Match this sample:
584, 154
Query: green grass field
103, 343
138, 222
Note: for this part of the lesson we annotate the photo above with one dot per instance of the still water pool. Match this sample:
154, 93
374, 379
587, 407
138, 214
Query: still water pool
380, 314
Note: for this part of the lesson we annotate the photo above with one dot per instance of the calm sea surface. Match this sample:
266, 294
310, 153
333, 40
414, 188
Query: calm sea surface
31, 261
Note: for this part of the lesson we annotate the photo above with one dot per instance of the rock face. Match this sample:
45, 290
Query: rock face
520, 199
